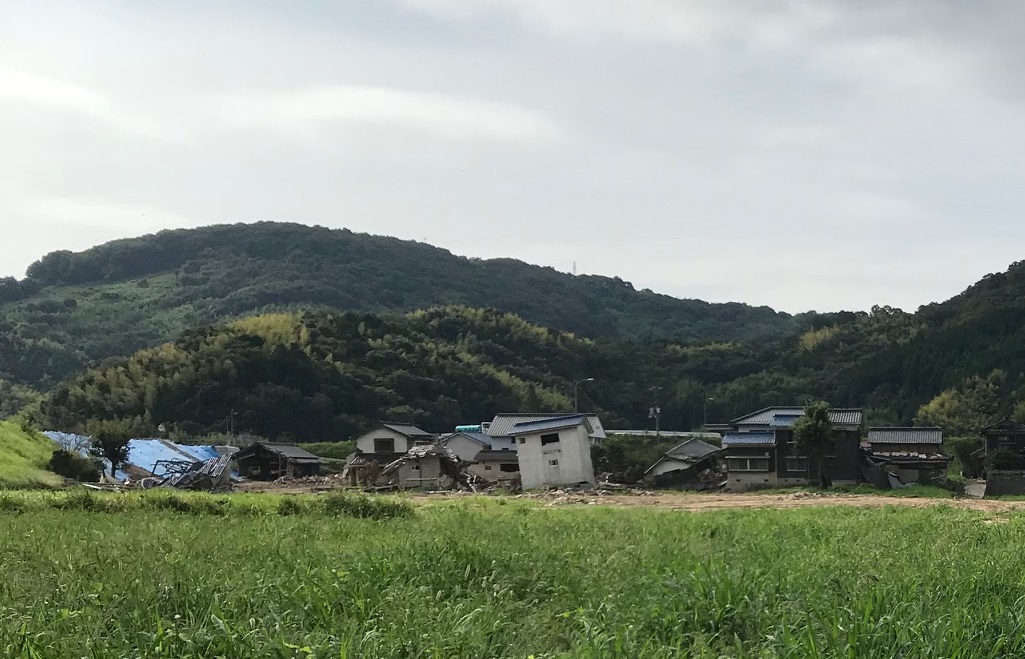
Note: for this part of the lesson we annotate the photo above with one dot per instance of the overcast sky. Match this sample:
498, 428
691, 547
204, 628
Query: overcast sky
823, 154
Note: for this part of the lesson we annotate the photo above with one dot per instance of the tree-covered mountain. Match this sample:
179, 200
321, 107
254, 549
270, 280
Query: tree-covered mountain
321, 376
75, 308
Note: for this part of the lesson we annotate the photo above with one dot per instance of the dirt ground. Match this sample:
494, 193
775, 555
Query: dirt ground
683, 501
707, 502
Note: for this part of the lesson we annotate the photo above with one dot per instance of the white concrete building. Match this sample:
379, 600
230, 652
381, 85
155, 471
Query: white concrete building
554, 451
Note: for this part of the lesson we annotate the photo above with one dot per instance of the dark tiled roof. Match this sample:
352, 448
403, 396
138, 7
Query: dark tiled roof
785, 417
557, 423
496, 456
478, 437
291, 452
749, 439
407, 430
692, 450
905, 436
502, 424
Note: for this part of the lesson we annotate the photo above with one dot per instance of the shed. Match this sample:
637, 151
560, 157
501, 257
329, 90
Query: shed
267, 461
694, 464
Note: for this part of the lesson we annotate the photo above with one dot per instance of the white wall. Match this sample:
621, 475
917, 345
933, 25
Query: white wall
572, 453
365, 442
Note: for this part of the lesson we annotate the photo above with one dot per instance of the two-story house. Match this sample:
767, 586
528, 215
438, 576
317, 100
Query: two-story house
761, 450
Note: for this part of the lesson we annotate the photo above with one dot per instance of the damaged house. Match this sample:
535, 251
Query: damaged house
895, 457
424, 466
379, 448
692, 465
554, 451
761, 450
492, 459
269, 461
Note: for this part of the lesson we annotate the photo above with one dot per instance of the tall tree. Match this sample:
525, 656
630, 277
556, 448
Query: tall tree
814, 436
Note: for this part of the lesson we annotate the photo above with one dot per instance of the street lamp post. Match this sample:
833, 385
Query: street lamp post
576, 398
704, 423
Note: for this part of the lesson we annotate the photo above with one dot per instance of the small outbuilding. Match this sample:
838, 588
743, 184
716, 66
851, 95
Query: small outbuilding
423, 466
692, 465
268, 461
912, 455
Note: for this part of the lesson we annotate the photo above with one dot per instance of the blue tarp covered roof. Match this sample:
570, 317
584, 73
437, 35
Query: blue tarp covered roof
142, 453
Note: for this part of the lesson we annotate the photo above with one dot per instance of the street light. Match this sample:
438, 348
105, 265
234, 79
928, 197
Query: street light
576, 399
704, 424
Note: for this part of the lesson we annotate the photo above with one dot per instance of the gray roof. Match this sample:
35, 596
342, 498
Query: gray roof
692, 450
905, 436
479, 437
502, 424
784, 417
291, 452
557, 423
496, 456
749, 439
407, 430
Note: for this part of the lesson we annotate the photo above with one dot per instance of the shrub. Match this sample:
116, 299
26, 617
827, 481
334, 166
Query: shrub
362, 506
74, 466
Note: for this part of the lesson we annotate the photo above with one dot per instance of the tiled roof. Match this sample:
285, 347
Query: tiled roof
557, 423
496, 456
407, 430
502, 424
692, 449
749, 439
905, 436
785, 417
291, 452
478, 437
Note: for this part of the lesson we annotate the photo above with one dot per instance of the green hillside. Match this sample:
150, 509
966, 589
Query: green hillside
74, 309
23, 458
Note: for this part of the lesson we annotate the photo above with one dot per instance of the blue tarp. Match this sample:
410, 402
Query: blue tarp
142, 453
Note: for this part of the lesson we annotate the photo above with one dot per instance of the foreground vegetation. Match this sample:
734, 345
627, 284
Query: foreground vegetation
487, 578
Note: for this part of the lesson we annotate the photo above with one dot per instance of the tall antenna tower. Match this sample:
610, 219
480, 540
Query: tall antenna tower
574, 268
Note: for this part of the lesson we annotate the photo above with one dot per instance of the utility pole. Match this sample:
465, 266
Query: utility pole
655, 411
704, 422
576, 398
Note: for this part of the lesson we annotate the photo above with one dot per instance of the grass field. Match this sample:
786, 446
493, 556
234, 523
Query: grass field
251, 576
23, 458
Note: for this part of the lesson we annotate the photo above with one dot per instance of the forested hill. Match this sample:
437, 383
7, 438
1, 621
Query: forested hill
330, 375
74, 308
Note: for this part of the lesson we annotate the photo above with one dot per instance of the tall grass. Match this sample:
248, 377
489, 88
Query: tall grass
474, 579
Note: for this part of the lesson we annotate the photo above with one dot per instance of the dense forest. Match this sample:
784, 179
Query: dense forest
73, 309
313, 333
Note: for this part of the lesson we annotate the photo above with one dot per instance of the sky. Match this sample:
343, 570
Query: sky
816, 155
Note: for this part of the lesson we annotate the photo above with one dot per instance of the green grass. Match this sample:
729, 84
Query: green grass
486, 578
23, 458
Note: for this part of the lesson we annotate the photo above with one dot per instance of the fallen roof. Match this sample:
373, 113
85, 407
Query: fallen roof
905, 436
692, 450
502, 425
749, 439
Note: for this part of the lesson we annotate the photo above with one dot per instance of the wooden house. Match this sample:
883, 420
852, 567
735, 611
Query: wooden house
912, 455
269, 461
761, 450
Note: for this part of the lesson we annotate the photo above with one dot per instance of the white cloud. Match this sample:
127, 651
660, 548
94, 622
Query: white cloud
33, 92
311, 111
